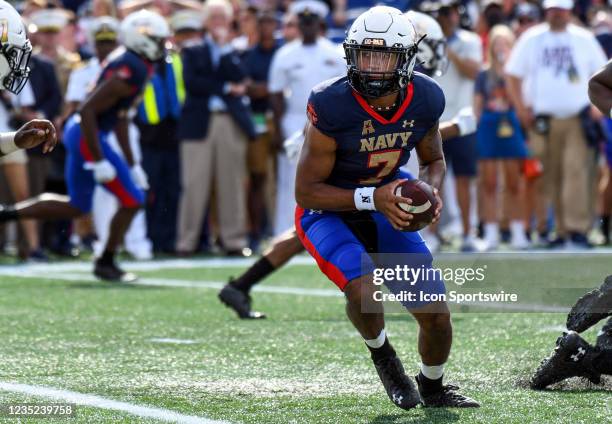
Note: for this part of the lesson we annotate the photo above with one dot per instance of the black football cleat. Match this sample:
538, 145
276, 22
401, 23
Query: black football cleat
239, 302
111, 272
591, 308
400, 389
604, 337
447, 397
573, 357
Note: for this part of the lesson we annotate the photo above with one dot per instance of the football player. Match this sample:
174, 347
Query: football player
90, 159
362, 128
573, 356
600, 93
15, 51
431, 61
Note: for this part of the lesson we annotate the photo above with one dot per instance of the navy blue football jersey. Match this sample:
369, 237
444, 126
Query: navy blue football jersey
370, 149
131, 68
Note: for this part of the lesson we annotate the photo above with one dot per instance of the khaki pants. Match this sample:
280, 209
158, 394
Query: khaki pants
220, 157
568, 167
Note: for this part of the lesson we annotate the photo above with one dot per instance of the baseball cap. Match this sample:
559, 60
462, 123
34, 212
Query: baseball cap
558, 4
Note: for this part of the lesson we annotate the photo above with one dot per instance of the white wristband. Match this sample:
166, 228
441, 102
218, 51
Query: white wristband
7, 143
364, 198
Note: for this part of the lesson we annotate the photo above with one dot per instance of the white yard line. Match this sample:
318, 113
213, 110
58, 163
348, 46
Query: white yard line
156, 265
299, 291
94, 401
166, 340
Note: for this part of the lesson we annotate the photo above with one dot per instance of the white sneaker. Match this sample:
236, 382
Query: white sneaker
518, 240
491, 235
468, 244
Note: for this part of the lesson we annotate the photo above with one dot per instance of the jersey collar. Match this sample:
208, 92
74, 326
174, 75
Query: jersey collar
398, 113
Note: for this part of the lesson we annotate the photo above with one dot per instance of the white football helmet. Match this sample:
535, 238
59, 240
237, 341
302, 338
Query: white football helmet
15, 50
432, 50
145, 32
380, 48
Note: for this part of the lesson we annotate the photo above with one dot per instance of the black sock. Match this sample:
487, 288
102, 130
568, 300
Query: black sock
428, 385
603, 362
384, 352
107, 258
605, 227
8, 213
253, 275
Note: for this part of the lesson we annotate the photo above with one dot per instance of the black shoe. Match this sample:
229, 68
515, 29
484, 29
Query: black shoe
604, 337
573, 357
111, 272
446, 397
38, 255
556, 243
397, 384
579, 241
239, 302
591, 308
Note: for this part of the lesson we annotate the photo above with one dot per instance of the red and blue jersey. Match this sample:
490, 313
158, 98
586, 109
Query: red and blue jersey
370, 148
132, 69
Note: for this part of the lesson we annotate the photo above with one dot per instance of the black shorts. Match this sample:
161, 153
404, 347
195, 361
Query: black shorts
460, 154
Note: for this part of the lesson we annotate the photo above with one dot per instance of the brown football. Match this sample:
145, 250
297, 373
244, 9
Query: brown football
423, 205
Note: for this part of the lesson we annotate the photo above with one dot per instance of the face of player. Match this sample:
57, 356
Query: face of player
290, 28
376, 62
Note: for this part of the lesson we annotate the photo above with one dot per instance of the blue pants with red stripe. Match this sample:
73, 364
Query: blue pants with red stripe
81, 183
342, 256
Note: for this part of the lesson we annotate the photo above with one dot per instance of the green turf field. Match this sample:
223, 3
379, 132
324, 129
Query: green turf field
176, 348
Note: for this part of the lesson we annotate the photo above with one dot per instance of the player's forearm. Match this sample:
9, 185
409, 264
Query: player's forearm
122, 133
89, 129
324, 197
433, 173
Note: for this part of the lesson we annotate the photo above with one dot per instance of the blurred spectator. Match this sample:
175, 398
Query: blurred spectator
559, 58
527, 15
257, 62
214, 127
14, 111
465, 58
187, 26
157, 121
296, 68
602, 28
45, 28
247, 27
290, 30
500, 142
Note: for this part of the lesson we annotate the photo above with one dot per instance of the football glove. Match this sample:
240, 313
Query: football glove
103, 170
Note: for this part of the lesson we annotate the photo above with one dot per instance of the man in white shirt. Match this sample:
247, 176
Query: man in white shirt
464, 51
558, 58
296, 68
